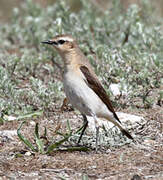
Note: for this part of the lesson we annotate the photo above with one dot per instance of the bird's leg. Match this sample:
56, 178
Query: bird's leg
97, 137
84, 127
97, 130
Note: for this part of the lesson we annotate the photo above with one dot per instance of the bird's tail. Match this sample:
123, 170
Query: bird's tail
126, 133
118, 123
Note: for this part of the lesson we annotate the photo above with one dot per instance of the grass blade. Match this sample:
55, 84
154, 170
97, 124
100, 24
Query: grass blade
36, 131
29, 115
77, 148
69, 128
39, 142
21, 117
63, 135
79, 129
24, 140
54, 146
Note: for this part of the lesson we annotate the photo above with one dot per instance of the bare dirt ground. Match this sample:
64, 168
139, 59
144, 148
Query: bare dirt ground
138, 160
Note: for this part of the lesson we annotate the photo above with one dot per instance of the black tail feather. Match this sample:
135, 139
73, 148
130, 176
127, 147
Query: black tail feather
127, 134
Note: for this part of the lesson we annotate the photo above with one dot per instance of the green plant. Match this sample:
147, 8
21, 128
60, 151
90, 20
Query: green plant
42, 148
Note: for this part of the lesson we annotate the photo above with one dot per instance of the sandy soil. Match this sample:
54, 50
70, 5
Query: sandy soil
142, 159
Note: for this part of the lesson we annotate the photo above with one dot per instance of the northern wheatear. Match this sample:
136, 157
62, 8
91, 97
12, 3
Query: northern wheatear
81, 85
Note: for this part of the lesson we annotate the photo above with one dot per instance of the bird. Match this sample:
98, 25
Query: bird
82, 87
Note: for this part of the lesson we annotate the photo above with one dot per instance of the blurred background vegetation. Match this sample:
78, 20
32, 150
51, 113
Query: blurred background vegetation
7, 5
122, 39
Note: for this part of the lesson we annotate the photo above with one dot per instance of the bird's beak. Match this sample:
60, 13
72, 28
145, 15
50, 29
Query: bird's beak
49, 42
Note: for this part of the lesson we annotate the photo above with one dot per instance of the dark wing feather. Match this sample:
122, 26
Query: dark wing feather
96, 86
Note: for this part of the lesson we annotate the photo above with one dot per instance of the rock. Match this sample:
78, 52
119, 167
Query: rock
149, 142
128, 120
33, 123
9, 118
115, 89
8, 134
28, 153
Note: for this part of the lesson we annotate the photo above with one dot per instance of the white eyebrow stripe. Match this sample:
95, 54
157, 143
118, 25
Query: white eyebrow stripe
66, 39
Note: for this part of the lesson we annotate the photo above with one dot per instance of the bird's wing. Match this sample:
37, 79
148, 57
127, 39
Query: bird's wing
96, 86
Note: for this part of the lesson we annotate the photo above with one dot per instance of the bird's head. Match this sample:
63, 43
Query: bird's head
62, 43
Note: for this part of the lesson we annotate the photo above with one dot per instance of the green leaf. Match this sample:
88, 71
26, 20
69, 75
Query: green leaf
77, 148
61, 134
21, 117
69, 128
54, 146
36, 131
40, 145
24, 140
79, 129
45, 132
29, 115
39, 142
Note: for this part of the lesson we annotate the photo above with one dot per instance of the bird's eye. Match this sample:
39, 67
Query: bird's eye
61, 41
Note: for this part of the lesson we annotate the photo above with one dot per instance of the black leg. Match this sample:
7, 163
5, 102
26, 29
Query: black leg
97, 137
84, 127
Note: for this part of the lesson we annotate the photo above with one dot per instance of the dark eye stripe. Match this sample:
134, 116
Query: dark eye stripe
55, 43
61, 41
